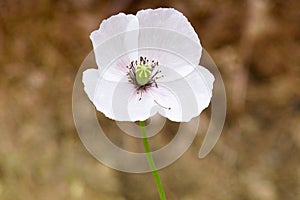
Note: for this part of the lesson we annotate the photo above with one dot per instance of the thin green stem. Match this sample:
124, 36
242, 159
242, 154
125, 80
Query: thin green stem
151, 162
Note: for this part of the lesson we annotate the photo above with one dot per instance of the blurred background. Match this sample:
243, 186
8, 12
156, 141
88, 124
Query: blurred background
256, 45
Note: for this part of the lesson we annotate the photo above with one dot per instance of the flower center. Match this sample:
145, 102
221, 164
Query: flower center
143, 75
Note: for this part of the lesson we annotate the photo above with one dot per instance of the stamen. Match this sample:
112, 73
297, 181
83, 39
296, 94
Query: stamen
169, 108
141, 95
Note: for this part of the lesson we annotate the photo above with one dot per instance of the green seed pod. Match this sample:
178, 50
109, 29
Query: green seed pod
143, 74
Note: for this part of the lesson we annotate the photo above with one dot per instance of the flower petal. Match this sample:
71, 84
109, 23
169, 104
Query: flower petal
118, 100
168, 35
140, 107
90, 79
118, 35
201, 82
167, 102
167, 18
187, 96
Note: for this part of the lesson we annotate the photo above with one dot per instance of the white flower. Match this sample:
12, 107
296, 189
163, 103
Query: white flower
148, 63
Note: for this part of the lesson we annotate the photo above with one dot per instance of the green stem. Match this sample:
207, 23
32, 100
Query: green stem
151, 162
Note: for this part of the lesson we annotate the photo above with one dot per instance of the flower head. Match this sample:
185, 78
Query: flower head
148, 63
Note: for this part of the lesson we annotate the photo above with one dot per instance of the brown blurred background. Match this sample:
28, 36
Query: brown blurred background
256, 45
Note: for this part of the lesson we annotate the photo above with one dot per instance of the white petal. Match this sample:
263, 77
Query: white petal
167, 102
142, 107
120, 101
190, 95
169, 38
167, 18
116, 70
90, 79
106, 96
118, 35
201, 82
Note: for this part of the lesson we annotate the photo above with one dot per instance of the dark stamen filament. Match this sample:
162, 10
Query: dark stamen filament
169, 108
